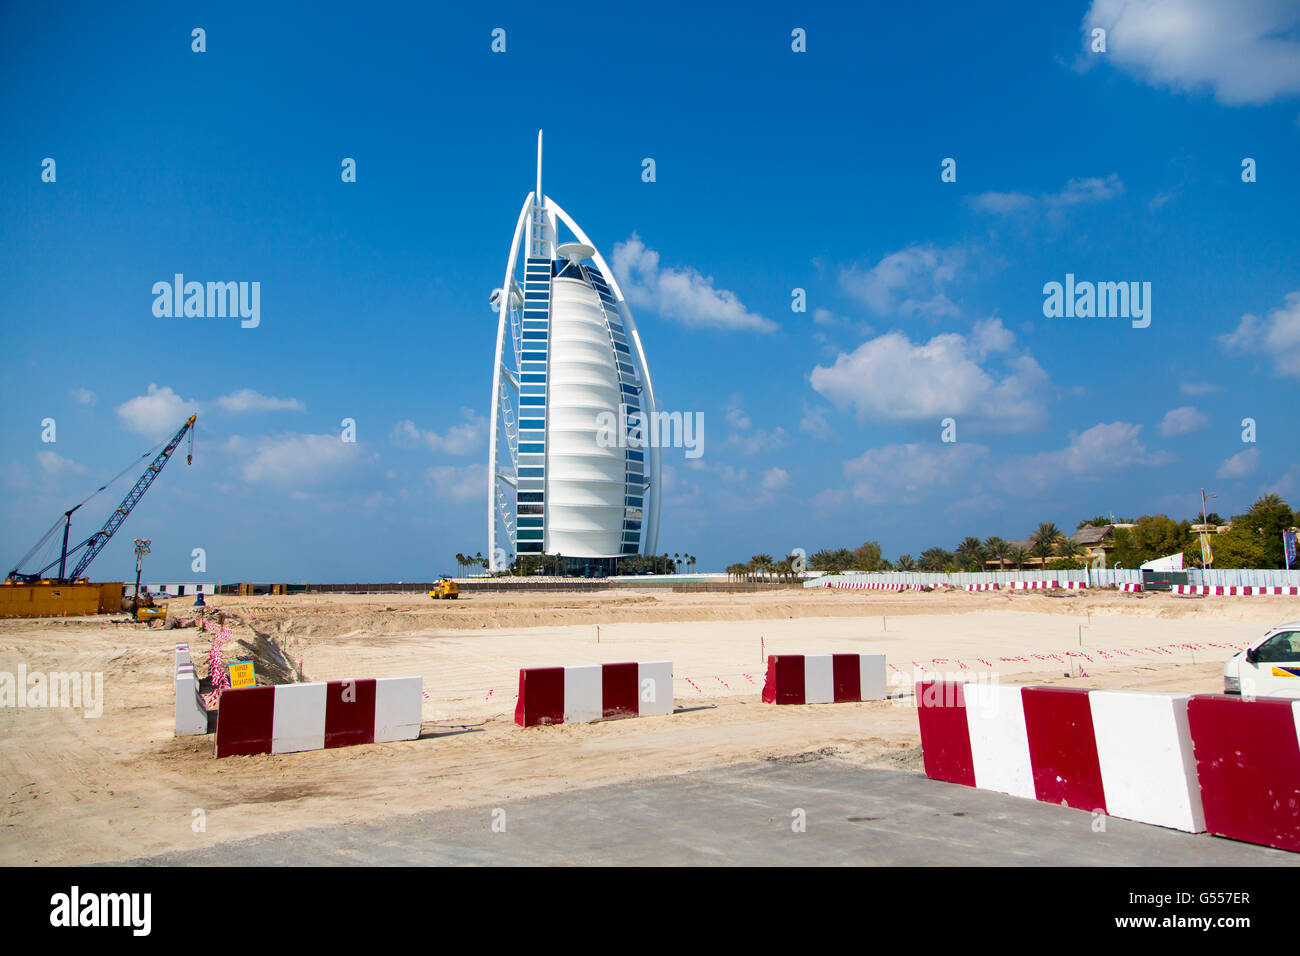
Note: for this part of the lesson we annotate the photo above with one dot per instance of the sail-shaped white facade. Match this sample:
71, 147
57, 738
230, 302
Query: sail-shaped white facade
566, 470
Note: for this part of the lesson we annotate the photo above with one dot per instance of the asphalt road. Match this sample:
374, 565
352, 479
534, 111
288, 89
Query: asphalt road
745, 815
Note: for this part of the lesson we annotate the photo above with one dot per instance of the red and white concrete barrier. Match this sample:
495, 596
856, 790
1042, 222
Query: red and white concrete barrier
1131, 586
1248, 762
1076, 585
824, 678
1233, 590
981, 587
1033, 585
575, 695
1124, 754
288, 718
870, 586
191, 718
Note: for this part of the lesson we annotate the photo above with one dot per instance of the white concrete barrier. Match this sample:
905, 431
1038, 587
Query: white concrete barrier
999, 742
191, 716
1148, 769
398, 704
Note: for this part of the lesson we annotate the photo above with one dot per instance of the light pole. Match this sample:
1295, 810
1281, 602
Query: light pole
1205, 555
141, 549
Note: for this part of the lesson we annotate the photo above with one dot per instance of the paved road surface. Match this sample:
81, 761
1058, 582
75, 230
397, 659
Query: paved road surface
743, 815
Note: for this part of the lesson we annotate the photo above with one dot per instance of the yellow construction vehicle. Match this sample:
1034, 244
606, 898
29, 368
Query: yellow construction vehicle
444, 588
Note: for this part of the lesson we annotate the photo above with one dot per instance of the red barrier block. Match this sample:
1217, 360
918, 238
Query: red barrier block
1063, 748
945, 735
1248, 766
245, 721
541, 696
847, 675
349, 713
619, 690
784, 681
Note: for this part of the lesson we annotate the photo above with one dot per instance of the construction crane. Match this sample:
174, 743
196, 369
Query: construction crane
97, 541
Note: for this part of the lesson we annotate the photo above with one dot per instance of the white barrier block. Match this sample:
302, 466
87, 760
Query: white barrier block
399, 703
191, 715
818, 679
1148, 770
299, 719
873, 682
999, 742
654, 679
183, 654
584, 694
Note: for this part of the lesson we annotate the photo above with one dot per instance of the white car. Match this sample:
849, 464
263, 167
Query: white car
1268, 668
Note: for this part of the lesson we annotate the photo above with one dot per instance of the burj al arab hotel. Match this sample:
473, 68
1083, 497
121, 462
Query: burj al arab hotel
568, 363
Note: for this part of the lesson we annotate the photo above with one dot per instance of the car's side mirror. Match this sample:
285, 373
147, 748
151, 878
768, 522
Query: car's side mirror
1252, 656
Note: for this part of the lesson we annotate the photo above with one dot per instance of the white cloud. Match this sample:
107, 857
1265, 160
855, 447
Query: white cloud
1277, 335
891, 378
736, 414
899, 473
1245, 52
815, 424
293, 459
1077, 192
1095, 453
459, 484
908, 282
775, 479
749, 440
158, 411
247, 400
457, 440
1199, 388
1182, 421
83, 396
682, 295
53, 464
1239, 465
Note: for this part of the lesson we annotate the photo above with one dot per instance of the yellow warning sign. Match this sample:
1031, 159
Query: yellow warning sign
241, 674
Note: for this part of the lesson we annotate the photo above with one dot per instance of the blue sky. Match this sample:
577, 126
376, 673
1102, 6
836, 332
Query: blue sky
775, 170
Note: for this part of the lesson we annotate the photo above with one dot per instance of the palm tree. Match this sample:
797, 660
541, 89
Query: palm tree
970, 553
762, 563
1019, 556
997, 549
460, 563
1070, 549
905, 562
1044, 540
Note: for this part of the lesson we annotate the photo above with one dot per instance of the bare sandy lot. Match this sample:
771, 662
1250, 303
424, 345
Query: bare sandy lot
82, 790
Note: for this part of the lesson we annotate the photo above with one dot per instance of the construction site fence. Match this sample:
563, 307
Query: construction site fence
1096, 578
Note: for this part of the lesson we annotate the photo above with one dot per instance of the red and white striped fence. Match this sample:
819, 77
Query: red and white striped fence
1233, 590
982, 587
824, 678
1205, 762
287, 718
870, 585
1131, 586
1116, 752
1034, 585
574, 695
1076, 585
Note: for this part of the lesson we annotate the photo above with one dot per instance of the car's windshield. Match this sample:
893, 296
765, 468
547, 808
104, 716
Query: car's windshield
1283, 648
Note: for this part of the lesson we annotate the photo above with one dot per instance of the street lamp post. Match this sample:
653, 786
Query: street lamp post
141, 549
1205, 554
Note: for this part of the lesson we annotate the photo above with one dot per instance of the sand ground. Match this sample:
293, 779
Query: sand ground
82, 790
